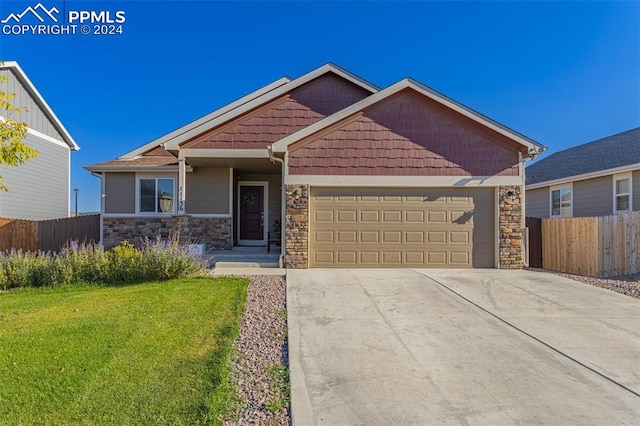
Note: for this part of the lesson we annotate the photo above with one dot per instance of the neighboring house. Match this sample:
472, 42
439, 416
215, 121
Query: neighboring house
598, 178
40, 188
358, 176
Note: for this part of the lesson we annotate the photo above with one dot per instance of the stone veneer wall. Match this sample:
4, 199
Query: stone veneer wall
213, 232
510, 223
297, 227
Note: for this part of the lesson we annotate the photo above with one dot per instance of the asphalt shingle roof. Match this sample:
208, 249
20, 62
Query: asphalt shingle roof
618, 150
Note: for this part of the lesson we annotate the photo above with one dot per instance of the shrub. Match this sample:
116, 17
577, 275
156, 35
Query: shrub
90, 263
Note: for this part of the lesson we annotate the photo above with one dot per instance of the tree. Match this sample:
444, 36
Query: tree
13, 151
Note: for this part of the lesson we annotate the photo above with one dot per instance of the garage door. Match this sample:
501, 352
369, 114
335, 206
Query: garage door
399, 227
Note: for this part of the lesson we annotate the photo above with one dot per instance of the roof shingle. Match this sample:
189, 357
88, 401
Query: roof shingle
618, 150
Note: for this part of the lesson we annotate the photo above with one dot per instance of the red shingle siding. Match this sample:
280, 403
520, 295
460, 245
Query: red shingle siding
283, 116
405, 136
328, 94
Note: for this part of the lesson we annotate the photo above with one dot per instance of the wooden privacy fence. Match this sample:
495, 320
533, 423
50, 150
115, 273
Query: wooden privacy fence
596, 246
48, 235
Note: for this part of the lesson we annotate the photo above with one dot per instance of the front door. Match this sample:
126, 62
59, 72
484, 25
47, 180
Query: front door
251, 214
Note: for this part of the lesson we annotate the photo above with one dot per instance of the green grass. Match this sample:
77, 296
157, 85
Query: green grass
279, 386
140, 354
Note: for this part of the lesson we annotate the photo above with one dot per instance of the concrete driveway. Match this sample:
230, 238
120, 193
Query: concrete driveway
424, 346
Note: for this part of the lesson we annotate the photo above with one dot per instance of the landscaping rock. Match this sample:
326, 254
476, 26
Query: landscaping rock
627, 284
260, 367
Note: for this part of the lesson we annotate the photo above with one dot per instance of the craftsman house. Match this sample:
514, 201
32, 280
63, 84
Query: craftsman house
344, 173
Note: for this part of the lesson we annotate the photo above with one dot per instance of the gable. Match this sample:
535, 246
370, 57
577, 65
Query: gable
34, 115
405, 134
158, 151
283, 116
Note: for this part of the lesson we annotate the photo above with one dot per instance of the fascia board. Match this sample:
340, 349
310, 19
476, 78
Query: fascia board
36, 94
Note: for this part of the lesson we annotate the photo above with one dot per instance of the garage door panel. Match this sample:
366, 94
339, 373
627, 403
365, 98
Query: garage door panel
369, 216
369, 257
414, 217
347, 237
386, 227
458, 258
414, 236
436, 217
391, 236
347, 257
324, 216
369, 236
324, 236
392, 216
459, 237
347, 215
323, 258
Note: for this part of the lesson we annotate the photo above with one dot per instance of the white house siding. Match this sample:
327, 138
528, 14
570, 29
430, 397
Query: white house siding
537, 202
38, 189
593, 197
34, 115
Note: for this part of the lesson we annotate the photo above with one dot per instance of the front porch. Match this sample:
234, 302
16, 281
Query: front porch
243, 257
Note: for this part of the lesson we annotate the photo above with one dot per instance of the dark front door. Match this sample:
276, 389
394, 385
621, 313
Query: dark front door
251, 213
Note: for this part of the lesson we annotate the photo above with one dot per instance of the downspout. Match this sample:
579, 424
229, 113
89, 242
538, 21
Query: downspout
283, 205
102, 195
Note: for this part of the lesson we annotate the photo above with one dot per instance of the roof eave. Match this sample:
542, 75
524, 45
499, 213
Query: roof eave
68, 139
167, 139
171, 141
138, 168
584, 176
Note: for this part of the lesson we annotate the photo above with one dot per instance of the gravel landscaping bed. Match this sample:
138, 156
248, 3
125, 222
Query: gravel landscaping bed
260, 367
627, 284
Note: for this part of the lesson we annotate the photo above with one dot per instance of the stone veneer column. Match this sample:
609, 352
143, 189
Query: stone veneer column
297, 227
510, 223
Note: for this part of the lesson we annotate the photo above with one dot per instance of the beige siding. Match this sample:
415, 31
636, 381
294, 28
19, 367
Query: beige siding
636, 190
593, 197
275, 194
402, 227
120, 190
537, 202
207, 191
34, 115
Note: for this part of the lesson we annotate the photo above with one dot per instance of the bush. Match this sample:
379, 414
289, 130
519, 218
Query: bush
89, 263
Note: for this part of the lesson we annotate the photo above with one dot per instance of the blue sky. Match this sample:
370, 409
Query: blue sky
562, 73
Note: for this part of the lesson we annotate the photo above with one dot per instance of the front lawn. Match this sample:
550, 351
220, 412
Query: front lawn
141, 354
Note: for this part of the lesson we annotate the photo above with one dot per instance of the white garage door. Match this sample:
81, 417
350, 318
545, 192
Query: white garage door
401, 227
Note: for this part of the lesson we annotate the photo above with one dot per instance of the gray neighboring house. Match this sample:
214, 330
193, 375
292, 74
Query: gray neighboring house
39, 189
599, 178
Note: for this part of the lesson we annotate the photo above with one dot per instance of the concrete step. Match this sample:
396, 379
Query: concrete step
236, 265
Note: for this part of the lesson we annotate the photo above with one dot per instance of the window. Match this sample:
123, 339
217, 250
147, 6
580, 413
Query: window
156, 195
622, 193
561, 198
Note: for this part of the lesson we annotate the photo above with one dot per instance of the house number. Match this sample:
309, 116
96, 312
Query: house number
181, 199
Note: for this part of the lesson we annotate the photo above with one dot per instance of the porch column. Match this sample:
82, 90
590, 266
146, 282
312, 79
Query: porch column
181, 185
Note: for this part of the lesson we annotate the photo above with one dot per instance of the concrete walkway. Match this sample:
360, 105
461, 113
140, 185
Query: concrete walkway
462, 347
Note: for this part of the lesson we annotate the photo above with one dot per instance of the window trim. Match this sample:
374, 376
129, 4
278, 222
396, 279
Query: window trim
140, 177
616, 178
560, 188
